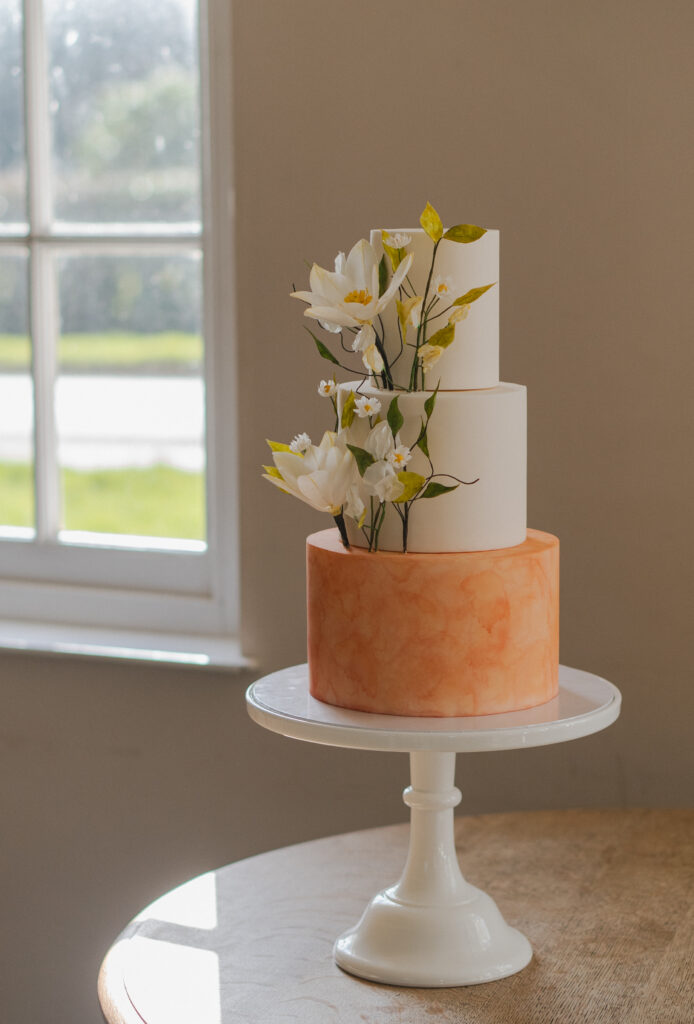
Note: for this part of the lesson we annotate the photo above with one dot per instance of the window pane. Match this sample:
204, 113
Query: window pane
12, 166
124, 84
16, 396
130, 395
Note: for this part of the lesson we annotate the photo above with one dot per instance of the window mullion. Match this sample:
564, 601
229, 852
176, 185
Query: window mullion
38, 121
43, 304
44, 316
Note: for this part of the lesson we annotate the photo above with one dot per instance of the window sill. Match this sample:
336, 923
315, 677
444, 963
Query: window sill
216, 652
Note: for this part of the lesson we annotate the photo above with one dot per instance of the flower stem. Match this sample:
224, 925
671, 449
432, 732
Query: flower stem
422, 325
340, 523
386, 375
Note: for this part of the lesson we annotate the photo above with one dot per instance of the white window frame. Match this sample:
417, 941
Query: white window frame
133, 584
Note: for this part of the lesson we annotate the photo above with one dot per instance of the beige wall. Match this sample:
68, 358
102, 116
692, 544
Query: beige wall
563, 124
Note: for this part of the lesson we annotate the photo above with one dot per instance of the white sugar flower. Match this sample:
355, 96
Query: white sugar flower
365, 342
327, 388
300, 444
349, 296
381, 481
399, 457
396, 239
414, 314
441, 286
322, 477
365, 406
364, 339
372, 359
429, 354
354, 506
459, 313
379, 441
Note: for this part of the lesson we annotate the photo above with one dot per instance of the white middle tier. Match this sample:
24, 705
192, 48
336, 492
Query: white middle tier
472, 435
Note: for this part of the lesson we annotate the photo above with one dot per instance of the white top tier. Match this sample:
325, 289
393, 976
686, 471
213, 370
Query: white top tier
472, 360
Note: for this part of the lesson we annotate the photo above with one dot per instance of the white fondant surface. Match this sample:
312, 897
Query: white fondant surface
472, 360
472, 435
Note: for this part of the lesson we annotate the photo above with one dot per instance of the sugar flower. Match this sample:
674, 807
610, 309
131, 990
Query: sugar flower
354, 506
459, 313
430, 354
441, 286
349, 296
365, 342
300, 444
327, 388
409, 312
322, 476
365, 406
397, 239
379, 441
381, 482
399, 457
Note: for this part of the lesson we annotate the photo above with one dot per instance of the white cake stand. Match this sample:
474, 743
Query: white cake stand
432, 928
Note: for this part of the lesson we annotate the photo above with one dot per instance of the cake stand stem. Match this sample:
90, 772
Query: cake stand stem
432, 928
432, 876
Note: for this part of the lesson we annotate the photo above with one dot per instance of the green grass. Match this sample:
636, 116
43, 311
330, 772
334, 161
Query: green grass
16, 494
154, 502
110, 350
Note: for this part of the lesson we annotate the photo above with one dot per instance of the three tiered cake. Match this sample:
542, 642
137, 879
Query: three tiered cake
423, 607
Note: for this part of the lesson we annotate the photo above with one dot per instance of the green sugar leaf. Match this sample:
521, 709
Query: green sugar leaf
395, 417
464, 233
433, 490
363, 458
323, 350
422, 443
279, 446
382, 276
473, 295
348, 410
431, 222
431, 402
412, 484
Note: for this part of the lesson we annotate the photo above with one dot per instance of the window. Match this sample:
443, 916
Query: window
115, 285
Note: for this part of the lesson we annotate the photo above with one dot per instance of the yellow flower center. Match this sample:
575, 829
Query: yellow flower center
362, 297
443, 287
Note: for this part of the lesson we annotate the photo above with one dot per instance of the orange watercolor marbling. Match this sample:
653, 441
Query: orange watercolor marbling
434, 635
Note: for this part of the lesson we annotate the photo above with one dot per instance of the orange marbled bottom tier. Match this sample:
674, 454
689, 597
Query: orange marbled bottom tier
435, 635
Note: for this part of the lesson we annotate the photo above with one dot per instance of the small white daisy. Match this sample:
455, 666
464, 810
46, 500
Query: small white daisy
441, 286
327, 388
399, 457
365, 406
398, 240
300, 444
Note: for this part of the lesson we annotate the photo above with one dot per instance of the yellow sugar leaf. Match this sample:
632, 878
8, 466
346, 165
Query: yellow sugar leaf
412, 483
431, 222
348, 410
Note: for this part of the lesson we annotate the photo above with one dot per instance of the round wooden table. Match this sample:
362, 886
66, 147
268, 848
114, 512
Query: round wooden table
606, 902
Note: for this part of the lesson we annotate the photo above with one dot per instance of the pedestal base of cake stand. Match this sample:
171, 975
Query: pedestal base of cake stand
432, 928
